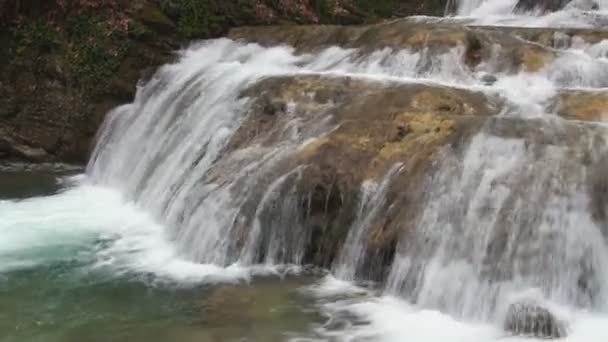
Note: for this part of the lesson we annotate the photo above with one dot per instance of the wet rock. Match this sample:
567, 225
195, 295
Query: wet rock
581, 105
151, 15
598, 189
488, 79
584, 5
12, 149
530, 319
351, 130
435, 38
540, 5
534, 58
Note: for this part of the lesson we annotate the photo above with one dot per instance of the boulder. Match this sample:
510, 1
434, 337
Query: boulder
581, 105
531, 319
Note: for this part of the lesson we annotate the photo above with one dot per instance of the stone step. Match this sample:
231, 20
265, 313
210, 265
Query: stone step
527, 49
341, 131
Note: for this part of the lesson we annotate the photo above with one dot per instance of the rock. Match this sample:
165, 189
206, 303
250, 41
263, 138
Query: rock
530, 319
598, 189
488, 79
149, 14
405, 34
581, 105
540, 5
534, 58
12, 149
583, 5
376, 126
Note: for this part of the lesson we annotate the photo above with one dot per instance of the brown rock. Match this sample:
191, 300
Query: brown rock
581, 105
348, 130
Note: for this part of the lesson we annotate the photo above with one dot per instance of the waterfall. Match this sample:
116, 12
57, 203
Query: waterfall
531, 13
163, 151
214, 152
510, 216
371, 204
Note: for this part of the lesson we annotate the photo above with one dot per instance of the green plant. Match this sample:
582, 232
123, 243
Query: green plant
198, 18
95, 52
324, 8
37, 35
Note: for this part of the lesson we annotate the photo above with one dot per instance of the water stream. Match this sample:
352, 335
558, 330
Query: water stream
173, 235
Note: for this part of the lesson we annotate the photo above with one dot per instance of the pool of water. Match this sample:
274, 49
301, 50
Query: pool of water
53, 287
61, 303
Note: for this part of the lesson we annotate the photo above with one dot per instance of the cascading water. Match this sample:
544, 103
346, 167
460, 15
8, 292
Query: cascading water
509, 215
371, 204
531, 13
513, 215
206, 176
182, 120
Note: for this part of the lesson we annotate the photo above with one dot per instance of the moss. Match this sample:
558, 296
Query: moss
94, 53
139, 31
324, 8
37, 35
199, 18
155, 17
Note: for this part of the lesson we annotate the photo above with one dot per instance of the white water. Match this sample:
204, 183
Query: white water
371, 204
152, 205
578, 13
97, 228
390, 319
537, 194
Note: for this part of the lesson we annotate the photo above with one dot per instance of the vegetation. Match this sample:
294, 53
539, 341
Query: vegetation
198, 18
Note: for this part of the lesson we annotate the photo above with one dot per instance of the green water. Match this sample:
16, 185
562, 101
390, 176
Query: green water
58, 304
65, 301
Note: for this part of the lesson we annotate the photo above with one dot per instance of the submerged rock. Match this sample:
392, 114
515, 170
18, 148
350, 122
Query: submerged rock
528, 318
489, 79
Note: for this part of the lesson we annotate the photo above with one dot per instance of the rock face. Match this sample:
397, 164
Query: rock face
532, 320
376, 126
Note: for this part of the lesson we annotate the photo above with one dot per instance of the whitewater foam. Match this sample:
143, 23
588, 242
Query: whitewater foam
147, 208
96, 228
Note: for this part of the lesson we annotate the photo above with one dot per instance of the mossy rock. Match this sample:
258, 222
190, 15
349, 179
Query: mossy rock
151, 15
